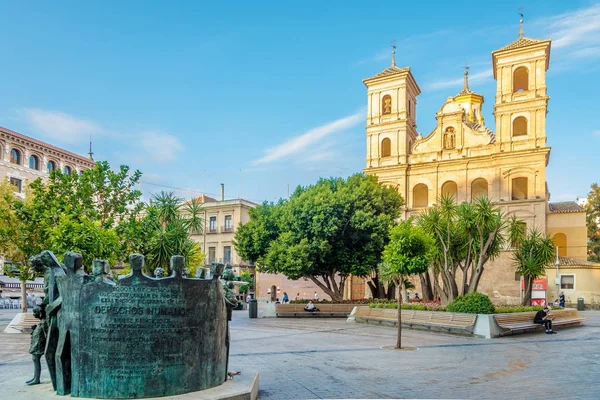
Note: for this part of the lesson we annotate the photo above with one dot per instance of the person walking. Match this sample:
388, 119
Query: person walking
286, 299
316, 296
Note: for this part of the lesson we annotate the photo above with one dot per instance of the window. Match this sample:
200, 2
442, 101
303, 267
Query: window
560, 241
520, 80
479, 188
386, 147
15, 156
51, 166
420, 195
67, 170
34, 162
228, 223
227, 254
517, 276
519, 189
409, 108
212, 224
16, 183
450, 189
567, 281
386, 105
520, 126
212, 254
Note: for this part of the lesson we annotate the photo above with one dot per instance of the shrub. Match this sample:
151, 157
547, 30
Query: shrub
472, 303
429, 306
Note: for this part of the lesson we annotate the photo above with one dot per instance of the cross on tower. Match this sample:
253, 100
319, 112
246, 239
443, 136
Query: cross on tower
393, 52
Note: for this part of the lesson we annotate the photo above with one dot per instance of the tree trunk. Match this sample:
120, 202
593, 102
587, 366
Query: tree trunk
391, 291
335, 295
23, 296
399, 335
528, 287
426, 289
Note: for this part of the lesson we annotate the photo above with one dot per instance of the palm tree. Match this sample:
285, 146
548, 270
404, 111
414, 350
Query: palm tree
533, 251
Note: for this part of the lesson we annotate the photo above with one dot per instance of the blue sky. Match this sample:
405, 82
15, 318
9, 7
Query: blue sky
262, 95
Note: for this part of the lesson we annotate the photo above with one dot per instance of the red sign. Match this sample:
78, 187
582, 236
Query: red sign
538, 302
539, 284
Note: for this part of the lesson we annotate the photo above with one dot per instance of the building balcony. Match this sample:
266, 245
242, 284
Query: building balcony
212, 230
227, 229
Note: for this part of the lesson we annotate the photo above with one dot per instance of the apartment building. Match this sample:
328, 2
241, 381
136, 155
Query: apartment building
24, 159
221, 219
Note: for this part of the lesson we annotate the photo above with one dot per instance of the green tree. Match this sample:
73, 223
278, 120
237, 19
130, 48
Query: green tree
245, 277
466, 236
324, 232
408, 253
593, 223
166, 229
533, 251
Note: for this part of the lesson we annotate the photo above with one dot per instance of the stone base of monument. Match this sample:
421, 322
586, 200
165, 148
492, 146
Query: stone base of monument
241, 387
21, 323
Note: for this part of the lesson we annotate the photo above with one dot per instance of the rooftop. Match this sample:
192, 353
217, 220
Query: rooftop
389, 71
565, 207
25, 138
521, 42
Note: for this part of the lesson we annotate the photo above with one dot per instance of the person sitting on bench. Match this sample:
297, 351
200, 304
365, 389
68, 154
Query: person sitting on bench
544, 317
310, 307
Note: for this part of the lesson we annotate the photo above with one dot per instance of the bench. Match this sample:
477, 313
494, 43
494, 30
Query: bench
325, 310
25, 322
437, 320
523, 322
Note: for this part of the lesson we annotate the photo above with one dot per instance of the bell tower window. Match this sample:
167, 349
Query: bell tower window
386, 147
520, 80
519, 126
386, 105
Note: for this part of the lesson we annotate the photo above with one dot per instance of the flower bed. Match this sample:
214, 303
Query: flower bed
436, 306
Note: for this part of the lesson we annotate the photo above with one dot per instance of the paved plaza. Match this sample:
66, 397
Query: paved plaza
332, 358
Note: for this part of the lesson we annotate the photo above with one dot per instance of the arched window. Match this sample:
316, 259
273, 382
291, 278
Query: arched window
386, 105
450, 189
15, 156
409, 108
520, 79
386, 147
519, 126
34, 162
519, 189
67, 170
420, 195
479, 188
51, 166
560, 241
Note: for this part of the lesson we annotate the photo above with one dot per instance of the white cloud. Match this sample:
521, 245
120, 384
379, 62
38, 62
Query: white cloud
161, 147
596, 133
478, 77
304, 141
60, 126
576, 28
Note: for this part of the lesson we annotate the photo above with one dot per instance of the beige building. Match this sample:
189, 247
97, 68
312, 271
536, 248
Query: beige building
464, 158
24, 159
221, 219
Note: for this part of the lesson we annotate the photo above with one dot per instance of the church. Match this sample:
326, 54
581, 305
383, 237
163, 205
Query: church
465, 158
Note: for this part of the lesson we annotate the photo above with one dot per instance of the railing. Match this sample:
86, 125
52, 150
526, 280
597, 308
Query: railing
211, 230
226, 229
17, 285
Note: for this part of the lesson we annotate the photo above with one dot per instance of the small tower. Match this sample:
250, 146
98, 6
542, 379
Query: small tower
470, 102
521, 99
91, 153
391, 115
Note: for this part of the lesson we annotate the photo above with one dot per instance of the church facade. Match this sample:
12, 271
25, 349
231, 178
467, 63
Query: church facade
465, 158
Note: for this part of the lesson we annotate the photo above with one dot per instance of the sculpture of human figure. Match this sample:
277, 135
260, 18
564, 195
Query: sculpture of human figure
159, 272
99, 269
46, 263
38, 343
230, 303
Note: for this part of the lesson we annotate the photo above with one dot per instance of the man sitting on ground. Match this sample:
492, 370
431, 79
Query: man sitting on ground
544, 317
310, 307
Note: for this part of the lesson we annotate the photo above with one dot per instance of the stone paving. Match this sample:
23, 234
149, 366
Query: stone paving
332, 358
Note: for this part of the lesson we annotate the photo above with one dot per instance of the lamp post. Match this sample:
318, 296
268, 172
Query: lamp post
557, 279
